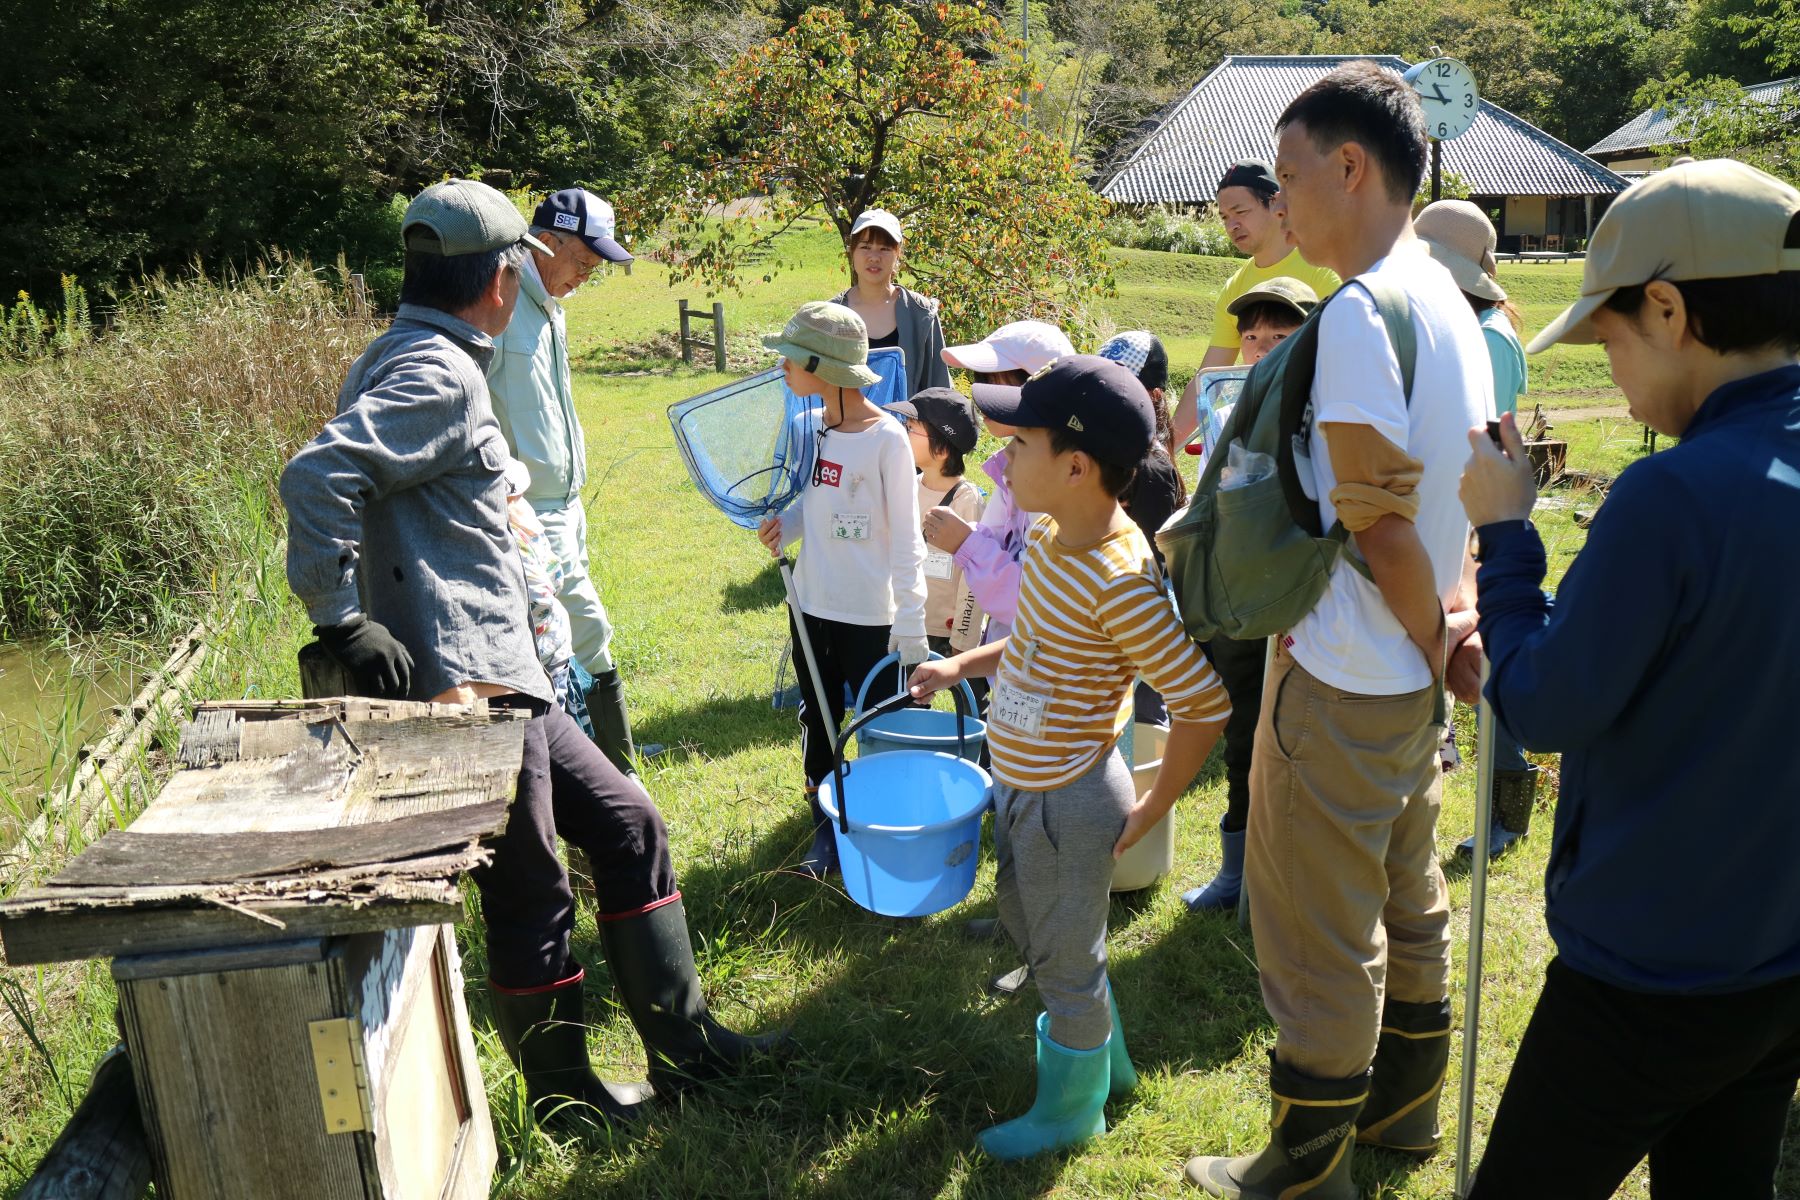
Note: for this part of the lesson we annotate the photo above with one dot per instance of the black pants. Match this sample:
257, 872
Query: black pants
1239, 666
567, 787
845, 655
1605, 1076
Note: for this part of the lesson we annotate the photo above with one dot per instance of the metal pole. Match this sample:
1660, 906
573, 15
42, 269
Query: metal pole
1437, 170
719, 336
1484, 818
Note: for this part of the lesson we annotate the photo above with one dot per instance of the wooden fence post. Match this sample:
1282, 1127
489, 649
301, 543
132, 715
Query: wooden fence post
719, 337
687, 346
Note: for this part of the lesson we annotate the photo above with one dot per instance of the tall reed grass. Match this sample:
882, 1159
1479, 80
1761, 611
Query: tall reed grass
127, 467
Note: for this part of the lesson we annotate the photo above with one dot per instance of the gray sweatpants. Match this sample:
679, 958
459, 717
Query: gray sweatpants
1053, 884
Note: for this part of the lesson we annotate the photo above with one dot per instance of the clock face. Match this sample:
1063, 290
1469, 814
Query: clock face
1447, 93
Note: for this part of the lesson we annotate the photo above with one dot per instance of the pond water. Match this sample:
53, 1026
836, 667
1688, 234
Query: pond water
52, 701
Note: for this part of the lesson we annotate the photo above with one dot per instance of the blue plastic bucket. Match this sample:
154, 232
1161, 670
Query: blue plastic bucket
911, 842
916, 728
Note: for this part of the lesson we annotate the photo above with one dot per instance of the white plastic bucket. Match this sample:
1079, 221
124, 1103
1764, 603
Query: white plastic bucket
1154, 854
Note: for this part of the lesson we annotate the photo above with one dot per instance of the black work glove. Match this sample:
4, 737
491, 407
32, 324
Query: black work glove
377, 661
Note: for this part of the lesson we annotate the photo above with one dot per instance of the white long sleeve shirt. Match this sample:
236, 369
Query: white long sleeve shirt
863, 557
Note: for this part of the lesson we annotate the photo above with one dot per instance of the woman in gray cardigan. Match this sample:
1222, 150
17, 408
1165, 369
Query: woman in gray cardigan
896, 316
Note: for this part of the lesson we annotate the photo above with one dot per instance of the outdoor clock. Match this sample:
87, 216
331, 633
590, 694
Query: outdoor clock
1447, 93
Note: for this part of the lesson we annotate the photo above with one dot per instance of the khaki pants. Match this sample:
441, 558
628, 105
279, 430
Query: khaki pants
1347, 901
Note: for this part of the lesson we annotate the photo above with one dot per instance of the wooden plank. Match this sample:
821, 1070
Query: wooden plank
226, 1083
65, 936
216, 959
128, 858
102, 1153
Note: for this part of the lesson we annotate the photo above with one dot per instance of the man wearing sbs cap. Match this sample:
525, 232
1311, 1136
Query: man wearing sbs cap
534, 400
399, 546
1669, 1022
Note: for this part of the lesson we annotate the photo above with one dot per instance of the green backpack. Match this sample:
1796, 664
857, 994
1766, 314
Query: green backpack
1250, 561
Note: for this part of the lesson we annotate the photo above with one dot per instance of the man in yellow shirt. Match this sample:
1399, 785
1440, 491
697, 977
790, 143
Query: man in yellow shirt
1246, 201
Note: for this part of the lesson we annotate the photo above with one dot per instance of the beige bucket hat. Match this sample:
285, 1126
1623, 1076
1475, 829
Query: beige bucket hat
829, 340
1459, 235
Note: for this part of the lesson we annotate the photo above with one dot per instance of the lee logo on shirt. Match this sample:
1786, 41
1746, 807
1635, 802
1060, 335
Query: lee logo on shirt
830, 473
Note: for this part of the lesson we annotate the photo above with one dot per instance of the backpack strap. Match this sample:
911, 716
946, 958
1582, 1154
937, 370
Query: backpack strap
1395, 310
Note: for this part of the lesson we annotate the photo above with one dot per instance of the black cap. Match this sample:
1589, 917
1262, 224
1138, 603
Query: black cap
946, 410
1097, 403
1250, 173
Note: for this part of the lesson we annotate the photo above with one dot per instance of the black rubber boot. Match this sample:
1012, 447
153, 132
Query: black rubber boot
1411, 1060
612, 724
822, 856
545, 1035
652, 962
1515, 794
1311, 1134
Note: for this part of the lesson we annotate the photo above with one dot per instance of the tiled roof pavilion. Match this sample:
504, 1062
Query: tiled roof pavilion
1231, 114
1657, 127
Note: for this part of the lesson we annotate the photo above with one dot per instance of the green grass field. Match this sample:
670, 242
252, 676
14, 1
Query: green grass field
904, 1054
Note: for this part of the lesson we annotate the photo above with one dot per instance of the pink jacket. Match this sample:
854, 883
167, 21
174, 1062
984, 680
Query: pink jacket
989, 557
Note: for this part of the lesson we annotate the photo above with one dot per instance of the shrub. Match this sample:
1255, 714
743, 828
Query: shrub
133, 470
1166, 228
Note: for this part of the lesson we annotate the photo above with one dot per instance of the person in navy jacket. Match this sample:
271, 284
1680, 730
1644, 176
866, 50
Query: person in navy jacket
1664, 672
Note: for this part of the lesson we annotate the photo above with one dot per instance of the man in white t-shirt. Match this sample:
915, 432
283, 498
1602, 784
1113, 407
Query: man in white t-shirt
1350, 909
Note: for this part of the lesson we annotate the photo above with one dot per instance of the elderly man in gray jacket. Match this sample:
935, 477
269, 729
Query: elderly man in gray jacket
398, 544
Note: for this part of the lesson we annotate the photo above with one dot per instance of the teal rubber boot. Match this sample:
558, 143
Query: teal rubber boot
1124, 1075
1070, 1104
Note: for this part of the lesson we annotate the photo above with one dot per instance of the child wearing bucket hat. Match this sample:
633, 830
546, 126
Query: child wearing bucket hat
1459, 235
861, 569
1669, 1022
1094, 613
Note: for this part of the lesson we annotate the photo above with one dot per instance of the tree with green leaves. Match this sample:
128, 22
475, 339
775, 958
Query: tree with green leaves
843, 113
1717, 118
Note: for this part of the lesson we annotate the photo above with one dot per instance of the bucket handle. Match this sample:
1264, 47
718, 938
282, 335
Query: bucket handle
862, 695
891, 705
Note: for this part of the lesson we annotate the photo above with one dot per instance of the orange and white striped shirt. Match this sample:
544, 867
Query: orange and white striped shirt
1090, 620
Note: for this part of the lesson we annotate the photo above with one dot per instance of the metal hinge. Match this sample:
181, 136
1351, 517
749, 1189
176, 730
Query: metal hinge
338, 1066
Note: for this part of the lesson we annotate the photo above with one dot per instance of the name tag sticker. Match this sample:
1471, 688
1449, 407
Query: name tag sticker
1014, 707
939, 565
850, 527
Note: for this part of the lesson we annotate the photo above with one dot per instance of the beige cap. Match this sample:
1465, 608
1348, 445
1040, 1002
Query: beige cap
1715, 219
1459, 235
829, 340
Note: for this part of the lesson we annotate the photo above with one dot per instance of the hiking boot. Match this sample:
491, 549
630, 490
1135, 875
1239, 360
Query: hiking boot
1311, 1133
1221, 895
1411, 1060
652, 962
1069, 1107
545, 1036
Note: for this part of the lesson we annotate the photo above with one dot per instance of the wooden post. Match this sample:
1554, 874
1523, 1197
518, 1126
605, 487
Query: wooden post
687, 347
101, 1154
719, 337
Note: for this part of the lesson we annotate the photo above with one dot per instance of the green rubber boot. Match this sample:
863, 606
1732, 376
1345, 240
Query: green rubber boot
1124, 1075
1311, 1134
1411, 1061
1070, 1104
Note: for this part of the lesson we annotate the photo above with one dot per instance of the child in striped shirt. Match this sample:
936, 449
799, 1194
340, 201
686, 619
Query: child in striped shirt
1093, 614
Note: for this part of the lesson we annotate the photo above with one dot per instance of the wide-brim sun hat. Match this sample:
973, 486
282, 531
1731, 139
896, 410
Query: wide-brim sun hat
1460, 236
830, 341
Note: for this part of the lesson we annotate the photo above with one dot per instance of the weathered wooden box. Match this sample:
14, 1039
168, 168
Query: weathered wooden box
279, 918
332, 1069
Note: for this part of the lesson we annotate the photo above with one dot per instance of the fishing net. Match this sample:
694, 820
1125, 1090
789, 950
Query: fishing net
749, 446
1217, 395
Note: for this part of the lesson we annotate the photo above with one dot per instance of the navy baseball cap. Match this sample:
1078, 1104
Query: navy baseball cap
1097, 403
581, 214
